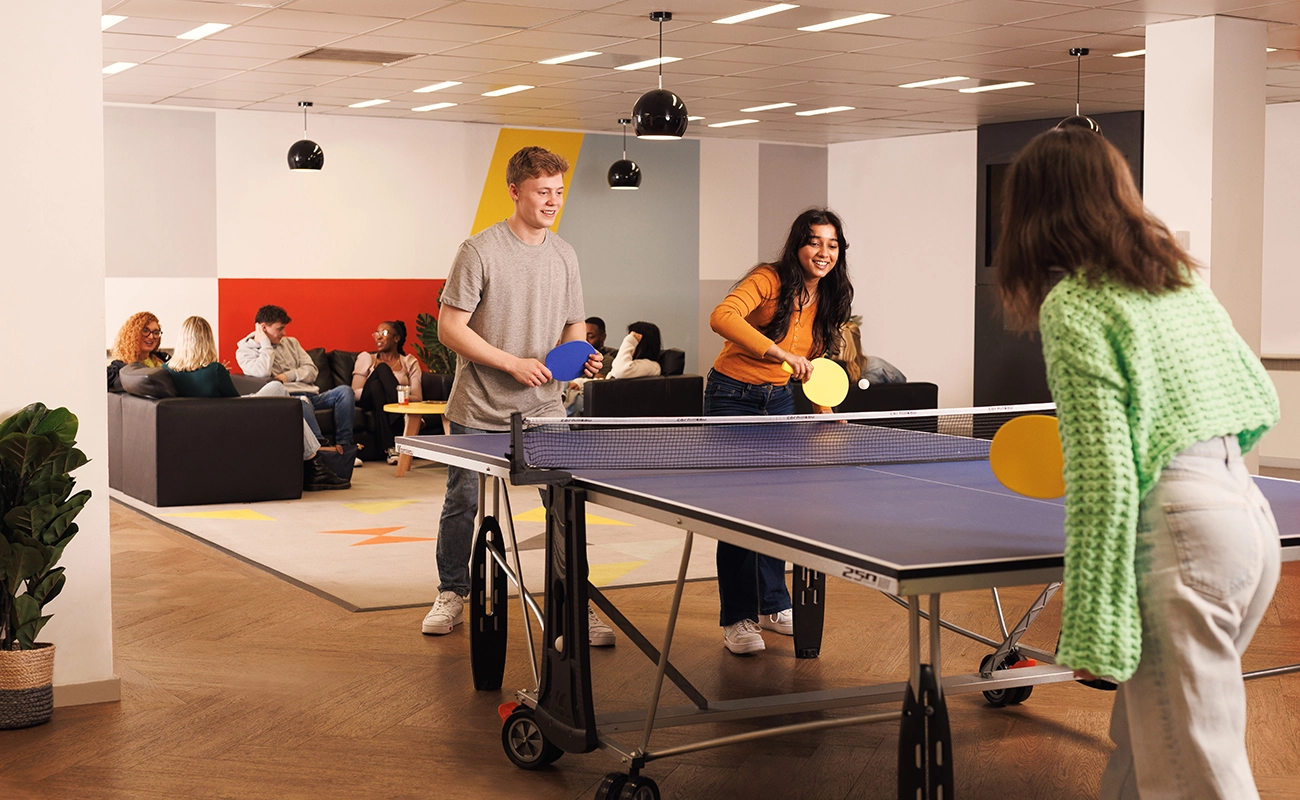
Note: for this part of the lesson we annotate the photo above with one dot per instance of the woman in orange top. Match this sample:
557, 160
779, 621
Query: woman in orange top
786, 312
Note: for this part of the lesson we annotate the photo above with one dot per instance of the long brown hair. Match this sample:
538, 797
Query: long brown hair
1070, 206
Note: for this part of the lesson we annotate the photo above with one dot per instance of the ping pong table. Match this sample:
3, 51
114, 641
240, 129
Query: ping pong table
905, 529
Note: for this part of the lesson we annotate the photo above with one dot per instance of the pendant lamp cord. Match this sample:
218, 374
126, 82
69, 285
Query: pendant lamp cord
661, 53
304, 122
624, 126
1078, 82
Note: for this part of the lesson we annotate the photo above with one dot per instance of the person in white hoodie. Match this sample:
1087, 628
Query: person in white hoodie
268, 353
636, 357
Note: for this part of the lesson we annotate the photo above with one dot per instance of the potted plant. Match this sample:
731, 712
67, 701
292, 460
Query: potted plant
37, 508
432, 352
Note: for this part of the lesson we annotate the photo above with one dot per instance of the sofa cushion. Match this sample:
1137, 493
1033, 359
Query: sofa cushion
324, 378
341, 365
142, 381
672, 362
663, 396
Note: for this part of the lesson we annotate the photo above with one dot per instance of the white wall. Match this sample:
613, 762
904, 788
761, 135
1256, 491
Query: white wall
52, 249
1281, 322
170, 299
908, 206
728, 208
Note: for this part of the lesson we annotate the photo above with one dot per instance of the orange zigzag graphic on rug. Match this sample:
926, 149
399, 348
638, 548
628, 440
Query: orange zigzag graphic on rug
380, 536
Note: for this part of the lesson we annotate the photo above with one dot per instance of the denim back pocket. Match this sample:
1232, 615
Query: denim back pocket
1217, 546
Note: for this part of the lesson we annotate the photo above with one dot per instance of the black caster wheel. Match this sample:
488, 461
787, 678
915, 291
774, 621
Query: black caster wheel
524, 743
611, 786
639, 788
1005, 697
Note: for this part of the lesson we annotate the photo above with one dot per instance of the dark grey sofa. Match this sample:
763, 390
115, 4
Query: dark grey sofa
670, 394
180, 451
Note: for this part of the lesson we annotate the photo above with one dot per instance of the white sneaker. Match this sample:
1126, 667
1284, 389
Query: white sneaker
392, 455
781, 622
448, 611
743, 637
356, 462
598, 633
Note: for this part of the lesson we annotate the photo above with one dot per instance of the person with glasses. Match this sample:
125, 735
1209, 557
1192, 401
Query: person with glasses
377, 376
139, 341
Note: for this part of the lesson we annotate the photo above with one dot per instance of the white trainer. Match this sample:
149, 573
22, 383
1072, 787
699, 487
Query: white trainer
448, 611
743, 637
781, 622
598, 633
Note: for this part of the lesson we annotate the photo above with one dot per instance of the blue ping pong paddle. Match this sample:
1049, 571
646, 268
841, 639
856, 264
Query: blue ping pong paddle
568, 360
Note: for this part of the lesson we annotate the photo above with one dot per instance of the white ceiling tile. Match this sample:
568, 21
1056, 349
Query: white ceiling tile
278, 36
396, 44
919, 28
218, 47
186, 59
1102, 20
315, 21
444, 31
503, 15
151, 44
187, 10
397, 9
206, 102
219, 91
993, 12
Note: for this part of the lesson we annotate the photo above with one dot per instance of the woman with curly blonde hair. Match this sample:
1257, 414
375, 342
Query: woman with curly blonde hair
139, 340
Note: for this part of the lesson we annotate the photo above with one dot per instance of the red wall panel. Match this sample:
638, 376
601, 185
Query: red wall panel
334, 314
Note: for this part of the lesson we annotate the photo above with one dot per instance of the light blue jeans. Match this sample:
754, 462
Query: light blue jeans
1208, 559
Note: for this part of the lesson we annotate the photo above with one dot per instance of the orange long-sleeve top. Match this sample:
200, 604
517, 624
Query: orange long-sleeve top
739, 318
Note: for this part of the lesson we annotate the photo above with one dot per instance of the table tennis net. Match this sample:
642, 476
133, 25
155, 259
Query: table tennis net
665, 443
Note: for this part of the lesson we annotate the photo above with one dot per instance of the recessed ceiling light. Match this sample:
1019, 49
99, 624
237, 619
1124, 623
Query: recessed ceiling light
829, 110
570, 57
109, 20
434, 107
437, 87
933, 82
762, 12
1270, 49
653, 62
368, 103
1130, 54
840, 23
206, 29
770, 107
692, 119
522, 87
993, 87
733, 123
113, 69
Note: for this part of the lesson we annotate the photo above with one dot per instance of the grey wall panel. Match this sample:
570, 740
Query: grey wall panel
160, 193
791, 178
639, 251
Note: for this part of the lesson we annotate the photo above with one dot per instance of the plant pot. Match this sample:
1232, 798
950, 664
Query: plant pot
26, 686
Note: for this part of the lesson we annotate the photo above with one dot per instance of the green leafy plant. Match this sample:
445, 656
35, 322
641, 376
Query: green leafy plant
37, 508
433, 353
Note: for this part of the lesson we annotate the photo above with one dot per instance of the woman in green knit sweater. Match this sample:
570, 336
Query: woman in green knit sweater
1171, 552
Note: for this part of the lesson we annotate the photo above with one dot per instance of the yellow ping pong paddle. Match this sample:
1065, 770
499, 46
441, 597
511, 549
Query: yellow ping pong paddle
1026, 456
828, 384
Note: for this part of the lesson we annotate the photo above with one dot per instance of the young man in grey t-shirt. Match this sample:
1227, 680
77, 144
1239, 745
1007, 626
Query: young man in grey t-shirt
512, 295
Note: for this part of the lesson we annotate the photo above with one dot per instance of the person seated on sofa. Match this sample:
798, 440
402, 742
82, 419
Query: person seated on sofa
859, 365
596, 338
138, 341
268, 353
196, 372
377, 375
636, 357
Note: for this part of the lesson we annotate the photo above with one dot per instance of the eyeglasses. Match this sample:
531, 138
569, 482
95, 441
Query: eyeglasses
381, 334
151, 333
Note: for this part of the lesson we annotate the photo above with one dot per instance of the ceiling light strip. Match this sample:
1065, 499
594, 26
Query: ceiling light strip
816, 111
653, 62
434, 107
522, 87
993, 87
120, 66
733, 123
761, 12
206, 29
840, 23
107, 21
570, 57
933, 82
769, 107
368, 104
437, 87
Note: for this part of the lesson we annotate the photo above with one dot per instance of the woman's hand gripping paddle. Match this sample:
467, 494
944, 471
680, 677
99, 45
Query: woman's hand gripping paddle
1026, 457
828, 384
567, 361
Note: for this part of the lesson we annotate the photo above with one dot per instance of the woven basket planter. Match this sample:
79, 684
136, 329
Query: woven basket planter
26, 686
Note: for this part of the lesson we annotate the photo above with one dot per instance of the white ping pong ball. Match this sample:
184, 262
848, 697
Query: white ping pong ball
864, 383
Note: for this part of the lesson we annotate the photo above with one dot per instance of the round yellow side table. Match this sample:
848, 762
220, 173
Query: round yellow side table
414, 413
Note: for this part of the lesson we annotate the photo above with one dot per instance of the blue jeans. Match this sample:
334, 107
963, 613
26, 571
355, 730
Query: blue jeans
344, 403
456, 528
749, 584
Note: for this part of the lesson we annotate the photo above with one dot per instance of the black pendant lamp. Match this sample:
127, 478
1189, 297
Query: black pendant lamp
1079, 120
624, 174
660, 114
304, 153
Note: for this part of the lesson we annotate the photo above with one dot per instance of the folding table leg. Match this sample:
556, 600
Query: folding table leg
489, 612
925, 740
809, 611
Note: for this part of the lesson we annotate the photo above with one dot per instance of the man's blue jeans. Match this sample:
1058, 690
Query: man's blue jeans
456, 528
344, 403
749, 584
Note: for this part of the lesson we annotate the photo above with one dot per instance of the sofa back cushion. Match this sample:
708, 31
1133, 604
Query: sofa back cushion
672, 362
324, 377
142, 381
342, 363
664, 396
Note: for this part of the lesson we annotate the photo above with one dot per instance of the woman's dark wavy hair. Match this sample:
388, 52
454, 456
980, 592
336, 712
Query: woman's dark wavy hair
649, 345
399, 333
1070, 205
834, 292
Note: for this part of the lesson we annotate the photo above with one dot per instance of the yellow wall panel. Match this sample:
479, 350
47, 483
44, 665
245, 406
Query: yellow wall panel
494, 204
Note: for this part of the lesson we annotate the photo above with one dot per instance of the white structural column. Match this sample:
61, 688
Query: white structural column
52, 296
1203, 151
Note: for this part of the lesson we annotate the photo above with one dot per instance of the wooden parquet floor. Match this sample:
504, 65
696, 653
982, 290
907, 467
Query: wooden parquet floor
239, 685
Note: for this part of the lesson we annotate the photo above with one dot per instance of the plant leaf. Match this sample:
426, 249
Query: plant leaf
24, 420
62, 423
48, 588
23, 453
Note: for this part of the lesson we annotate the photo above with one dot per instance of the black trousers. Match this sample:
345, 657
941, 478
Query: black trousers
381, 389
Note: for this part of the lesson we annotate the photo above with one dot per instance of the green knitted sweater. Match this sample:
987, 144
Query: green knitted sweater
1137, 378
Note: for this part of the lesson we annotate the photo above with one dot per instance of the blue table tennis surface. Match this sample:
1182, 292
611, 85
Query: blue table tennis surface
905, 518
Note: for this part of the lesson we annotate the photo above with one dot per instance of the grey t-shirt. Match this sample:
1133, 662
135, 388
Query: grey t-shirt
520, 298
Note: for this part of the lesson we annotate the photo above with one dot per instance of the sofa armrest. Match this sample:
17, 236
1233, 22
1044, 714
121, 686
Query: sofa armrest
663, 396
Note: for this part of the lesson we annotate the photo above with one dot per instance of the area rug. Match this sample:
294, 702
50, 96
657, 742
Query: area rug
373, 546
